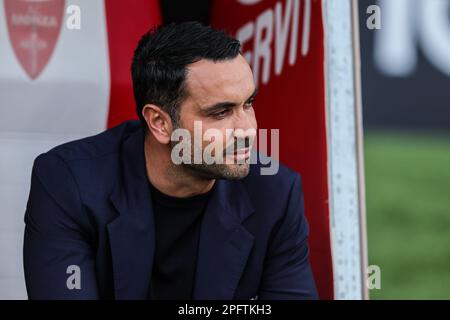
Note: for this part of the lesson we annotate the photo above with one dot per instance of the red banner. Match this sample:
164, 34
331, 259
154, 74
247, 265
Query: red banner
126, 24
284, 44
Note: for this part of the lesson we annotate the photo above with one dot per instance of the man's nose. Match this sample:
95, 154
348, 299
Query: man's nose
244, 127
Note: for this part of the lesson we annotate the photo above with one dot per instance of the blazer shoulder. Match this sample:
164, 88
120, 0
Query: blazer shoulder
89, 165
99, 145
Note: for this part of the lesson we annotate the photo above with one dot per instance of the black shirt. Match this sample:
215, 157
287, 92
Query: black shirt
177, 232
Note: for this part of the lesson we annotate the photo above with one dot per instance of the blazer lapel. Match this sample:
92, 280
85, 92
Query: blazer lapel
224, 243
131, 235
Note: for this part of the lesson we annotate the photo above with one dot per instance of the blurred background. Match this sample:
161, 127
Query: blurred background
406, 106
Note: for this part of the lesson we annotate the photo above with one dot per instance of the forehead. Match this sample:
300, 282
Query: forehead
211, 82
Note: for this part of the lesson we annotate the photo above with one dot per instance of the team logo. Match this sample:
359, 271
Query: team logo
34, 27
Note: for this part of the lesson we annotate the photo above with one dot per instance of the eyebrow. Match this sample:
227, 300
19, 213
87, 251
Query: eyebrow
226, 104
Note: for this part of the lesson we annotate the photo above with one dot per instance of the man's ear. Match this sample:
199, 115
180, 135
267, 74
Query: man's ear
159, 123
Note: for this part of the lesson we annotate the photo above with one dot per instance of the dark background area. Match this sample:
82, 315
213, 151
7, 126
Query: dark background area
419, 101
182, 10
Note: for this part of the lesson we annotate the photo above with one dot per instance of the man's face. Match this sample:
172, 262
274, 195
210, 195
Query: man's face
220, 97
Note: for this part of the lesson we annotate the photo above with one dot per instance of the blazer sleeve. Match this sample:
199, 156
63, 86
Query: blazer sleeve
287, 273
58, 251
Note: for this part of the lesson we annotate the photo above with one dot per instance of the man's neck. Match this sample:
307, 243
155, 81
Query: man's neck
171, 179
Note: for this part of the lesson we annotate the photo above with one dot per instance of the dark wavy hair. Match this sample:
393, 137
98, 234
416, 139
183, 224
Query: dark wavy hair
159, 64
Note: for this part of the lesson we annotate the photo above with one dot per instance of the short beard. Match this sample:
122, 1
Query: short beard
219, 171
206, 171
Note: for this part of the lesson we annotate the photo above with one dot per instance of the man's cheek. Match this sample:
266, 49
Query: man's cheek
213, 146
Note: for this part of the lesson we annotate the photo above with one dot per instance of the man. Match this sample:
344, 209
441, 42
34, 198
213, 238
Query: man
119, 216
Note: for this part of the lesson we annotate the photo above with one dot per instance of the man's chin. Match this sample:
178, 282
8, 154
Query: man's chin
221, 171
237, 171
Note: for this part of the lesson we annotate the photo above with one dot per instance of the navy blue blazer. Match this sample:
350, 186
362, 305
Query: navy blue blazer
90, 206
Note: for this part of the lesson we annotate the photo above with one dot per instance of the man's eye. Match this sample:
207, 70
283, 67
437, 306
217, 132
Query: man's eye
249, 104
221, 114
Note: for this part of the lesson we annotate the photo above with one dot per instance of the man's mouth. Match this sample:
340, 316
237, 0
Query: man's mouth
241, 154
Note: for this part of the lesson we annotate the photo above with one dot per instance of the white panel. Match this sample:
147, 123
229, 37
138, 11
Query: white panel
343, 151
11, 242
71, 95
13, 288
68, 100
